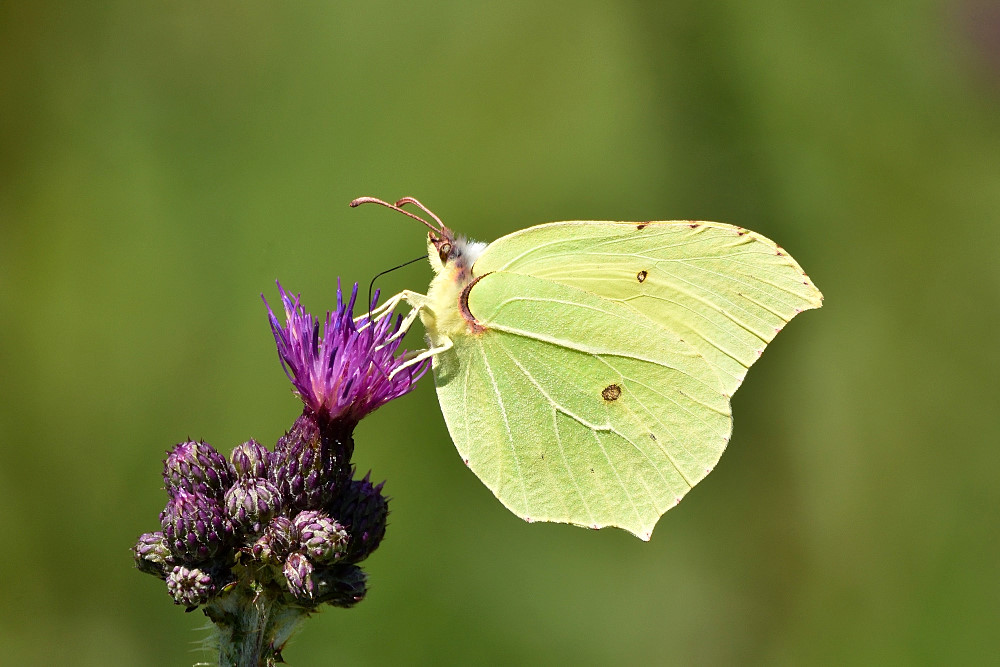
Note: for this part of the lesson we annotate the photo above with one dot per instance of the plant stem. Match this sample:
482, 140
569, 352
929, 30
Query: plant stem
252, 626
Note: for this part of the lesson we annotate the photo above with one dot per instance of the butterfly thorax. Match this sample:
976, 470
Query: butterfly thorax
452, 260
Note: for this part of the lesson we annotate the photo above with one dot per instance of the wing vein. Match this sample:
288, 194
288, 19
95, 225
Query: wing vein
569, 413
506, 422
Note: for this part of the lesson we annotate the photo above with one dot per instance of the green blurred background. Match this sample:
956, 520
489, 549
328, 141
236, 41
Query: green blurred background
162, 164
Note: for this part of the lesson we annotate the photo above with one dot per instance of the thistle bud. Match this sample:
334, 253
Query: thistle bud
320, 537
363, 510
195, 527
339, 585
196, 467
152, 555
298, 574
190, 586
278, 540
251, 459
250, 503
307, 466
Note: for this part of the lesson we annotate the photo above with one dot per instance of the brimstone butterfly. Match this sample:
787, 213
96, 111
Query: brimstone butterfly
585, 368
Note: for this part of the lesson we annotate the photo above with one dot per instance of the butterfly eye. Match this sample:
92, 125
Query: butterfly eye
444, 252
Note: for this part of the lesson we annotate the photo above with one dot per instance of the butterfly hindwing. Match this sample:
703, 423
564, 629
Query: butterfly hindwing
571, 408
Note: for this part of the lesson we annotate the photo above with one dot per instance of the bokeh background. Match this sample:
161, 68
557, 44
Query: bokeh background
161, 164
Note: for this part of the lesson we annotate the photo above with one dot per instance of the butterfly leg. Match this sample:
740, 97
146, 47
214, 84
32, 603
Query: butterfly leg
422, 355
417, 302
404, 325
415, 299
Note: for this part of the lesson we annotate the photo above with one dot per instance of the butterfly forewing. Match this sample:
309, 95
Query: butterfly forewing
722, 289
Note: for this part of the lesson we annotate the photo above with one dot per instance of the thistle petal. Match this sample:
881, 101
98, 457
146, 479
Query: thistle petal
341, 369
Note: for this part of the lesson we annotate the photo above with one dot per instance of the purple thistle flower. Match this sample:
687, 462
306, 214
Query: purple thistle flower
266, 537
341, 370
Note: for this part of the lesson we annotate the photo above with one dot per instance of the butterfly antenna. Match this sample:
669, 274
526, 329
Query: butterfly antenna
411, 200
378, 275
396, 207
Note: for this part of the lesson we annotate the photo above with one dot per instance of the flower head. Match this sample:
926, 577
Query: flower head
341, 369
311, 463
264, 538
298, 572
251, 502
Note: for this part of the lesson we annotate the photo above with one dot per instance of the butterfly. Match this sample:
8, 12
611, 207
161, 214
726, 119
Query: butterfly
585, 369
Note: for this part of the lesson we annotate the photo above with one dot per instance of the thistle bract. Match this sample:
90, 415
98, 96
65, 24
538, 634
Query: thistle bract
340, 585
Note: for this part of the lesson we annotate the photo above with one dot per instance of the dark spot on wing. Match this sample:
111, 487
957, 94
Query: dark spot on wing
612, 392
693, 225
641, 226
641, 276
652, 437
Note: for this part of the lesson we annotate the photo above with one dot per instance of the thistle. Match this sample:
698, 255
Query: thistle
263, 539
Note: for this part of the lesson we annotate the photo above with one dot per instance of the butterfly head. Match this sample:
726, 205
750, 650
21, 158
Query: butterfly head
447, 253
452, 254
452, 258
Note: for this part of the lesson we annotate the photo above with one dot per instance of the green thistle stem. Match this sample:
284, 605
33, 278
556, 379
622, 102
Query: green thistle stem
253, 626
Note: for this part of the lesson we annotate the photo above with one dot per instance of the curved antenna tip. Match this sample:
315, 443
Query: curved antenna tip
398, 207
367, 200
